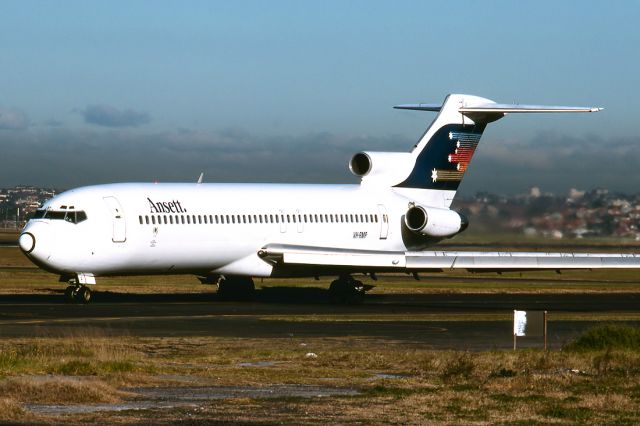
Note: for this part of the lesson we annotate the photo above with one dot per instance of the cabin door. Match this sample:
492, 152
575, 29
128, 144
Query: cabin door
384, 221
119, 234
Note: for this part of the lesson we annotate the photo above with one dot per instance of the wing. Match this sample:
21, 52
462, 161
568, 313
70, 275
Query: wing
334, 259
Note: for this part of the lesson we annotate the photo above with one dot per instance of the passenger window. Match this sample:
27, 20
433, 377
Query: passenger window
153, 220
140, 218
164, 218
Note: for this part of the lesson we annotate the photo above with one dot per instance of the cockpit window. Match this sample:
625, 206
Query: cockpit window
39, 214
80, 216
68, 215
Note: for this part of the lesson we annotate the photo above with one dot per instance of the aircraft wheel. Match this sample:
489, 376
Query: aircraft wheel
77, 294
83, 295
236, 288
69, 294
346, 291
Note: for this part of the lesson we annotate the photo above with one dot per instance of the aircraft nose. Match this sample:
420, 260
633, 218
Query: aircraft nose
27, 242
35, 241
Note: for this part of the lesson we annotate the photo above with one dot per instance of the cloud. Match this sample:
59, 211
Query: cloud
11, 119
52, 122
108, 116
65, 158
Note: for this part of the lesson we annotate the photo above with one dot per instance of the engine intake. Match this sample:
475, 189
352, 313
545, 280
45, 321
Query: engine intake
435, 222
360, 164
381, 168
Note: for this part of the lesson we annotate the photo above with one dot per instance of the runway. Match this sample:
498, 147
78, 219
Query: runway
438, 321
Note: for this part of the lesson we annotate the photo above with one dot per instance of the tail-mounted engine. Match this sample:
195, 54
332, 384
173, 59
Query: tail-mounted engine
435, 222
381, 168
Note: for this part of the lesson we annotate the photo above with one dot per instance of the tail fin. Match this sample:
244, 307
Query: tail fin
443, 153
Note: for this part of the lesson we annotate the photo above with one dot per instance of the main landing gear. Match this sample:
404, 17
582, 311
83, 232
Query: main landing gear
235, 288
347, 290
77, 293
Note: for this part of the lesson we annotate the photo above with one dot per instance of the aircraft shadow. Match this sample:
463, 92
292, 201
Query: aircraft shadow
444, 302
305, 295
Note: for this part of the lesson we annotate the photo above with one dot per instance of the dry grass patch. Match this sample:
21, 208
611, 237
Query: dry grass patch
10, 409
59, 390
85, 352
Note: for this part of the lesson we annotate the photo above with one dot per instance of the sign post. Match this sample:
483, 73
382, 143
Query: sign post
529, 324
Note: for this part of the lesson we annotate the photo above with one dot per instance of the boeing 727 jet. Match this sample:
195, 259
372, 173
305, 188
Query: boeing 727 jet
231, 233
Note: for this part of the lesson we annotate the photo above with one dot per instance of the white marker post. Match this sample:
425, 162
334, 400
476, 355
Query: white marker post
529, 323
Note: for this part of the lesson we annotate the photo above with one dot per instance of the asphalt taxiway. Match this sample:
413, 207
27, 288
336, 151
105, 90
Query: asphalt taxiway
438, 321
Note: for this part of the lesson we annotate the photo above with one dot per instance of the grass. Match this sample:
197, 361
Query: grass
564, 387
608, 337
593, 380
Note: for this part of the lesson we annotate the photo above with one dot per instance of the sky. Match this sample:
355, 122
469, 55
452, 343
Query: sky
287, 91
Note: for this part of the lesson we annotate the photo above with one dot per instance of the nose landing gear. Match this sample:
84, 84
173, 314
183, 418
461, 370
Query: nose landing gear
77, 293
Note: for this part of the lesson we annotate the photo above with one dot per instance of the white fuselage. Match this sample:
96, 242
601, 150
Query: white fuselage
139, 228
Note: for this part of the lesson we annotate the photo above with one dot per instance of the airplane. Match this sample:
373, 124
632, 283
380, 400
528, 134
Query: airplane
228, 234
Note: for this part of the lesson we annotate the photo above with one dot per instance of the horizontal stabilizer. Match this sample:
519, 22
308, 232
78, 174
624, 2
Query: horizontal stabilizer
501, 108
514, 108
420, 107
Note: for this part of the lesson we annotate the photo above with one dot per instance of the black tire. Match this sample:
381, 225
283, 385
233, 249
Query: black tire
357, 293
347, 292
336, 292
83, 295
236, 289
68, 294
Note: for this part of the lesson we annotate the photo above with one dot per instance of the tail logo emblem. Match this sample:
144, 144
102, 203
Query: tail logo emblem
464, 147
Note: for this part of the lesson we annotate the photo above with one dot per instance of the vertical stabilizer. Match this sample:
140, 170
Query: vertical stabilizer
443, 154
